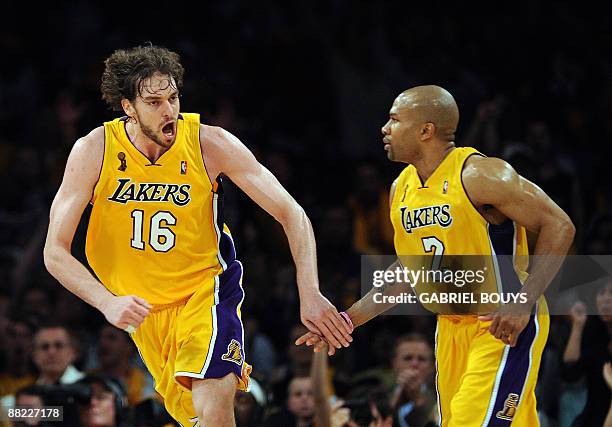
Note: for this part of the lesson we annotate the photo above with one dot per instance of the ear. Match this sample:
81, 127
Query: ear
128, 108
428, 130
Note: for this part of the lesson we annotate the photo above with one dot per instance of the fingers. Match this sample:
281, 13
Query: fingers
329, 336
311, 327
338, 326
486, 317
139, 310
306, 339
513, 339
142, 302
494, 326
314, 339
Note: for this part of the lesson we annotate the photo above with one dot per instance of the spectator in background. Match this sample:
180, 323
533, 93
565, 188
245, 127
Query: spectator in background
587, 350
297, 365
116, 352
249, 406
18, 370
28, 397
299, 409
107, 406
36, 304
413, 399
54, 353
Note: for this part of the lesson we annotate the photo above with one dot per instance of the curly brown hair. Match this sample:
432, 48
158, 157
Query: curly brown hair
126, 70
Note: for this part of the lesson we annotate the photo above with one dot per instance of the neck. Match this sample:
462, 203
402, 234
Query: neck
427, 163
49, 378
143, 143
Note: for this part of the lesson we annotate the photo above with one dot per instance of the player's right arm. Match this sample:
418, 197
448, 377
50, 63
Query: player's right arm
366, 308
80, 177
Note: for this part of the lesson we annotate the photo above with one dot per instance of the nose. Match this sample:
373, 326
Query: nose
167, 108
385, 128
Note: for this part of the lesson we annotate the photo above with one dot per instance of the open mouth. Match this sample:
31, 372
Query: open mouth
169, 130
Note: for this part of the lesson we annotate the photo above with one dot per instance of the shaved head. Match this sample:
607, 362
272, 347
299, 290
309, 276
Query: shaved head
431, 104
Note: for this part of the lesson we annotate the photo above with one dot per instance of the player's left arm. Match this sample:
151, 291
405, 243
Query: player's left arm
493, 182
225, 154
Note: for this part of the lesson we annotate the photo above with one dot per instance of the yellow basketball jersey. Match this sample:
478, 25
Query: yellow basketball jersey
155, 228
437, 218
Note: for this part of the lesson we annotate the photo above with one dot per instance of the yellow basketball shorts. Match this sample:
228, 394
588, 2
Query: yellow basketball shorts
202, 337
481, 382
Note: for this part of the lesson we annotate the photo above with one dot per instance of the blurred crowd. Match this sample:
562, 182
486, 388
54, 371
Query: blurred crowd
307, 86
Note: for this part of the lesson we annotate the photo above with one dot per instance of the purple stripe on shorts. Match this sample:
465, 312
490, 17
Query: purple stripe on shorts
513, 377
228, 353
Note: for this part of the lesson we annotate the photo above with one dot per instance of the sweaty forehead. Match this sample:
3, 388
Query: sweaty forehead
157, 84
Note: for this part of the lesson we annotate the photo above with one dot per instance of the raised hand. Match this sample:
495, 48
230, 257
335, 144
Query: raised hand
310, 339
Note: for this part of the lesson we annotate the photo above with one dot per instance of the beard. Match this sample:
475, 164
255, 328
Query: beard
154, 136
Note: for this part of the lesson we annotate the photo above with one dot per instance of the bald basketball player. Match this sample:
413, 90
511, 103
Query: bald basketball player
456, 201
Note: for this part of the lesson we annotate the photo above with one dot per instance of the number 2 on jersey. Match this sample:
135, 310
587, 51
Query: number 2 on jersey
161, 238
434, 244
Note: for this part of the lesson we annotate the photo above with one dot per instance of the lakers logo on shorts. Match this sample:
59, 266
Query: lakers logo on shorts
233, 353
509, 407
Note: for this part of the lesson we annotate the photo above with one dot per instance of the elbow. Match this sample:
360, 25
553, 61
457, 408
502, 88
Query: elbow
50, 258
292, 213
568, 229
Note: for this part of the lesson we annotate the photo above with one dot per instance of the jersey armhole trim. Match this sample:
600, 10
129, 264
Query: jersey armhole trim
201, 151
471, 203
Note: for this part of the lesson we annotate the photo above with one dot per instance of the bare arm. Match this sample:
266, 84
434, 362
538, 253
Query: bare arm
578, 315
366, 308
81, 174
318, 375
494, 183
225, 154
490, 181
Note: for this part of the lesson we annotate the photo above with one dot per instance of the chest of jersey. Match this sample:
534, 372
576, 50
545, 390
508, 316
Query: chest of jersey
152, 228
437, 228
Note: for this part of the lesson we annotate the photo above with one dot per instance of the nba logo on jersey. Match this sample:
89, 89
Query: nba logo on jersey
183, 167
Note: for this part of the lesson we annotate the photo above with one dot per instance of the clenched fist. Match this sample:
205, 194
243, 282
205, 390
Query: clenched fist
125, 312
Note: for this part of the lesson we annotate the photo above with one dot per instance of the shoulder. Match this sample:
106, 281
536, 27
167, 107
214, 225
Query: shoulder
487, 170
214, 135
92, 143
488, 179
87, 154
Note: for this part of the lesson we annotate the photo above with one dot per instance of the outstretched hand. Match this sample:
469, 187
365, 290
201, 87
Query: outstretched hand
319, 343
322, 319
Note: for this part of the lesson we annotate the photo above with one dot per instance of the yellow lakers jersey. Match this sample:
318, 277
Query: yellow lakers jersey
435, 224
155, 228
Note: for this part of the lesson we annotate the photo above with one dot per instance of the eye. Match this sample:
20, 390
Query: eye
154, 103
